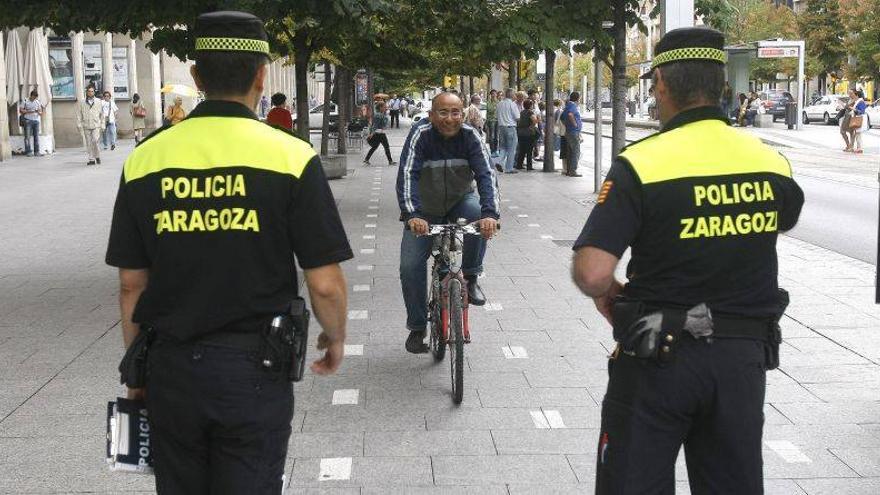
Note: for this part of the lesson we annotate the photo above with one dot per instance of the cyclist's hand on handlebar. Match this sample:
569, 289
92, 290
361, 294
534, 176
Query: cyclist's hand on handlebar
488, 227
418, 226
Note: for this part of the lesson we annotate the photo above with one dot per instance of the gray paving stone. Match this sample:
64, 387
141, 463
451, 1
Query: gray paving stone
416, 400
822, 464
361, 419
428, 443
840, 486
833, 414
326, 444
535, 397
546, 441
436, 490
366, 472
864, 461
496, 470
475, 418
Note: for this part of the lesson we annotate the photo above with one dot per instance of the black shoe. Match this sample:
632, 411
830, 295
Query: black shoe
98, 160
90, 162
112, 146
475, 293
575, 175
392, 163
415, 342
499, 168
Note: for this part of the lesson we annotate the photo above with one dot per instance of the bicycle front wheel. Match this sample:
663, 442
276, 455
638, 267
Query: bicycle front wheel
456, 340
438, 344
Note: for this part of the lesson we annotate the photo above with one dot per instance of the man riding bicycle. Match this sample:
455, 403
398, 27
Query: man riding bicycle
435, 184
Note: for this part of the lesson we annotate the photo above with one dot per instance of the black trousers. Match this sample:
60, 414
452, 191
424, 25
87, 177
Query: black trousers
395, 118
710, 398
220, 422
525, 144
379, 138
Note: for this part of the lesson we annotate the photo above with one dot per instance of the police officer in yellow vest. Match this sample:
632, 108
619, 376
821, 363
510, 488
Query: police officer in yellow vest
209, 218
700, 204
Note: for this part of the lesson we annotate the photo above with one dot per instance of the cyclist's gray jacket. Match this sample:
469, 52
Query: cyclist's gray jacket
436, 172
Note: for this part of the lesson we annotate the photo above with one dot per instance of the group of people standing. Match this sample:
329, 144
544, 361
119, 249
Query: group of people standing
514, 128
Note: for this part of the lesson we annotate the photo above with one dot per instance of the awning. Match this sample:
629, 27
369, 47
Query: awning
13, 69
35, 73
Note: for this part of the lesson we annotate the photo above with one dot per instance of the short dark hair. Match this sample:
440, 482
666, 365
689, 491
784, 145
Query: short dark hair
278, 99
34, 93
692, 81
528, 104
228, 73
574, 96
106, 93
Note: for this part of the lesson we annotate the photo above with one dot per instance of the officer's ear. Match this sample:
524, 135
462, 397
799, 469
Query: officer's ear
260, 78
194, 72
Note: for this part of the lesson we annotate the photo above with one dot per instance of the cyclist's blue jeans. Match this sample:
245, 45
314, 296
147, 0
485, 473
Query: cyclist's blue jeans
414, 253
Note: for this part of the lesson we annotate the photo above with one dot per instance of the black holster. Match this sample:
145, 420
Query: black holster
775, 337
133, 367
645, 334
285, 340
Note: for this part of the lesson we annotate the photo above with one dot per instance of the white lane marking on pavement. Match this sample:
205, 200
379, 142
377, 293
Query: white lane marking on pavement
545, 236
496, 306
362, 288
369, 225
514, 352
369, 236
554, 419
539, 420
507, 352
505, 200
368, 251
788, 451
346, 396
335, 468
358, 314
522, 215
513, 207
374, 200
377, 188
373, 207
365, 268
354, 349
374, 194
534, 225
372, 215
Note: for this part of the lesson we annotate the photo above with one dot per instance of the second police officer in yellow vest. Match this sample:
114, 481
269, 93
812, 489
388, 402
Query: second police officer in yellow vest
210, 217
700, 204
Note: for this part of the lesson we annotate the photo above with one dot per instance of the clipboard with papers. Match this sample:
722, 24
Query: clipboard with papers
128, 437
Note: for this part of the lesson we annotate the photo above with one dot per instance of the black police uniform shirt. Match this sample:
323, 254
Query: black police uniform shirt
218, 207
701, 209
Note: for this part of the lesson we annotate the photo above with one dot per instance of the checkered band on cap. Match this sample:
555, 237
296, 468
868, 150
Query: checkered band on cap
693, 53
233, 45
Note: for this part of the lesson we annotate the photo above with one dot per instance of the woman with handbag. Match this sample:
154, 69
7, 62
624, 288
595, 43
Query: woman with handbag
377, 134
527, 134
857, 123
138, 117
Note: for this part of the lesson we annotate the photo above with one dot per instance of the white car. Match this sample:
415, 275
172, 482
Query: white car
873, 113
824, 109
316, 116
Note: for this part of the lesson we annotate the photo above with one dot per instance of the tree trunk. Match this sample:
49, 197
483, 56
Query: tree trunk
345, 104
549, 123
461, 87
471, 85
325, 127
618, 90
511, 74
301, 64
518, 76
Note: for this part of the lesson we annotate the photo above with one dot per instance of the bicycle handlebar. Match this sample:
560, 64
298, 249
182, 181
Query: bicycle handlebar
470, 228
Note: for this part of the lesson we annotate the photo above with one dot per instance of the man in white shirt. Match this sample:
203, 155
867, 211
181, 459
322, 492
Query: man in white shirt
394, 110
31, 110
507, 113
108, 111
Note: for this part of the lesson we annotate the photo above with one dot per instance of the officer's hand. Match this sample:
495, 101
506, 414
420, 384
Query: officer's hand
137, 394
418, 226
488, 227
334, 350
605, 303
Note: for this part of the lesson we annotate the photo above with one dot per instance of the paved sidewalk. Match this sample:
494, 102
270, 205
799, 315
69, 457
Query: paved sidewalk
536, 369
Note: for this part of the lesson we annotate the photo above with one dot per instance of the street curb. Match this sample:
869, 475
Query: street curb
656, 125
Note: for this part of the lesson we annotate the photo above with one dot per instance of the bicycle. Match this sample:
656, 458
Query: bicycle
448, 302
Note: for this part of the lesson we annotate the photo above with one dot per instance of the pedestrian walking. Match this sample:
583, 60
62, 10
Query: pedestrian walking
175, 113
526, 134
109, 110
571, 119
264, 106
539, 138
472, 116
508, 115
138, 117
377, 135
394, 110
210, 216
857, 122
492, 121
700, 205
90, 122
31, 112
843, 118
280, 115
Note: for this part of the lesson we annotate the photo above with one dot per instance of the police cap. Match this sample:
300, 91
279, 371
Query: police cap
690, 43
231, 31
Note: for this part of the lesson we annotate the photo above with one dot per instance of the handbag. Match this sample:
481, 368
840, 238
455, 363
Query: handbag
855, 122
21, 120
140, 111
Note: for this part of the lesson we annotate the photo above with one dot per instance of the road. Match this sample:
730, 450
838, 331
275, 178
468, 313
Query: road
840, 210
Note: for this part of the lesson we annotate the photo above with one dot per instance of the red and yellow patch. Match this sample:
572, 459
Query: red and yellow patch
603, 193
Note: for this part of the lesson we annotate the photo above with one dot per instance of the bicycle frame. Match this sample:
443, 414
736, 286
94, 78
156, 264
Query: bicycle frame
446, 252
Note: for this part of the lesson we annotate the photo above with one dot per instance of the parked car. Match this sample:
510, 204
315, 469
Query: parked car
775, 101
824, 109
873, 113
316, 116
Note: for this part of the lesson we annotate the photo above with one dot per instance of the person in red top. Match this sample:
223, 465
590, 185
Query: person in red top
279, 115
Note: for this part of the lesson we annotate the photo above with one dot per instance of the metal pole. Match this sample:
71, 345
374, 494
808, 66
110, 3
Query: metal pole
570, 66
597, 122
801, 93
877, 259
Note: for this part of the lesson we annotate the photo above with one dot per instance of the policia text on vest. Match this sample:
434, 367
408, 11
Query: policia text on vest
734, 224
209, 219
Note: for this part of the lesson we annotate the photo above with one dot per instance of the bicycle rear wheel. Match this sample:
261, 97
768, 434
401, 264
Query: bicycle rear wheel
456, 340
438, 346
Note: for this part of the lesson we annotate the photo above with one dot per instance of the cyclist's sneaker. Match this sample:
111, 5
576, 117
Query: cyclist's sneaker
415, 342
475, 293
